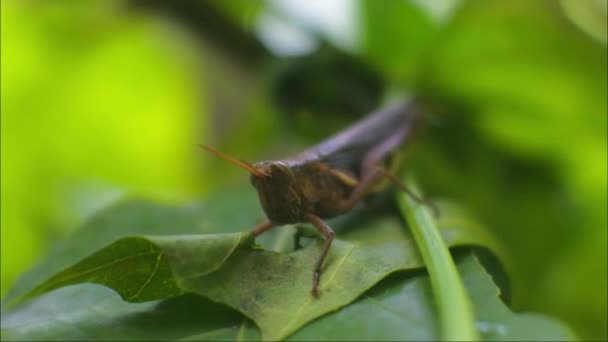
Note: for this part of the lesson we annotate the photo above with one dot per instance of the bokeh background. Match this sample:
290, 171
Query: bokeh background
105, 99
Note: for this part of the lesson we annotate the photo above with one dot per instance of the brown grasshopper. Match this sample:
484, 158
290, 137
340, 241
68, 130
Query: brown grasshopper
331, 177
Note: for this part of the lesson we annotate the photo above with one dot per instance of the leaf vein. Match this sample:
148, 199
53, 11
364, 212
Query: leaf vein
219, 264
331, 277
68, 277
152, 274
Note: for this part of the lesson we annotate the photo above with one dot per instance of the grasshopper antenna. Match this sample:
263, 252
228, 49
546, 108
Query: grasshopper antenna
240, 163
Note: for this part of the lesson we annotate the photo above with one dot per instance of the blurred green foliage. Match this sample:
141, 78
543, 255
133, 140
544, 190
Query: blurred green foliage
93, 104
99, 100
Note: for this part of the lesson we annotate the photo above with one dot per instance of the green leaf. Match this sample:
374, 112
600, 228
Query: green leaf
395, 36
402, 304
404, 309
93, 312
272, 289
241, 286
136, 216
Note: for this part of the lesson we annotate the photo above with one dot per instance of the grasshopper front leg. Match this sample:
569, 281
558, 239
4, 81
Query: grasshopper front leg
261, 228
328, 233
323, 228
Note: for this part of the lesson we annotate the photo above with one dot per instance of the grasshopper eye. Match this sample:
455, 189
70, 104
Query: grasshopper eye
280, 168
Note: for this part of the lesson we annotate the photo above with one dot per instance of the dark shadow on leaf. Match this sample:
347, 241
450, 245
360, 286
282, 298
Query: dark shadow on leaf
187, 314
491, 264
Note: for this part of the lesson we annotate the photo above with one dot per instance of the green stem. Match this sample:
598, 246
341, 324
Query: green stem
453, 304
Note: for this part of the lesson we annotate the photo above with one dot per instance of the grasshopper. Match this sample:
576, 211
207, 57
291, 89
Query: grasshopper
330, 178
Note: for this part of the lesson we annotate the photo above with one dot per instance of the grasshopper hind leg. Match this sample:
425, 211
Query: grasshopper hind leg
372, 178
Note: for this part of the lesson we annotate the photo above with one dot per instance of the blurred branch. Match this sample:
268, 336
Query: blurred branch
207, 20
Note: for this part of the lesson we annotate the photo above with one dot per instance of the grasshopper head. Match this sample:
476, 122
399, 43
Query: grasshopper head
276, 185
278, 191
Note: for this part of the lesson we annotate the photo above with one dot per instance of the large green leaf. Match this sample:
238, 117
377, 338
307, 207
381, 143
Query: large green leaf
402, 304
92, 312
403, 309
241, 285
137, 217
273, 289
